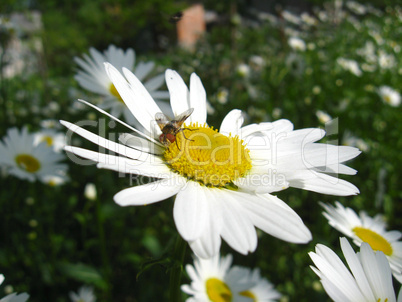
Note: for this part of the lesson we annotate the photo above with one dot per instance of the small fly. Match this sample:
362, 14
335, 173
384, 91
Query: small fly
170, 128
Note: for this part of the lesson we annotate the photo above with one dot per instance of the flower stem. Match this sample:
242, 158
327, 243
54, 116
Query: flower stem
176, 270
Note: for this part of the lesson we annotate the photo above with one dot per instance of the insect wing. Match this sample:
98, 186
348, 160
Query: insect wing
162, 120
179, 120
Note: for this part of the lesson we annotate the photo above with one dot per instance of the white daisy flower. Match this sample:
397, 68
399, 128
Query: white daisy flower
243, 70
84, 294
362, 228
93, 77
27, 160
52, 138
214, 280
14, 297
389, 96
262, 291
350, 65
370, 280
323, 117
223, 178
297, 44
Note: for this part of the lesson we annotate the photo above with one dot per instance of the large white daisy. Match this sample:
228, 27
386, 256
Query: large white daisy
93, 77
25, 159
363, 228
215, 280
369, 278
223, 178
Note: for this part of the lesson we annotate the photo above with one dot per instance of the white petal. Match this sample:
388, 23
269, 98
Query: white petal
238, 230
179, 95
357, 269
198, 100
122, 164
138, 101
232, 123
280, 221
147, 194
100, 141
190, 212
140, 144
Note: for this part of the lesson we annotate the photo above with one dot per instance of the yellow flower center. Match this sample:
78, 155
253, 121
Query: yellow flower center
48, 140
114, 92
248, 294
202, 154
27, 162
218, 291
376, 241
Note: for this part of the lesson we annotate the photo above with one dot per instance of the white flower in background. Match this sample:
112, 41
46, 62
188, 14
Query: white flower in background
243, 70
222, 179
370, 280
90, 191
257, 61
215, 280
290, 17
297, 44
350, 65
356, 7
350, 140
51, 138
14, 297
386, 61
84, 294
389, 96
27, 160
362, 228
93, 77
323, 117
308, 19
262, 291
222, 96
55, 180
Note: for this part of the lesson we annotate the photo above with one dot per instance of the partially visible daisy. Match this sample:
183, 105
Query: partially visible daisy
262, 291
297, 44
389, 96
52, 138
223, 178
350, 65
243, 70
27, 160
93, 77
14, 297
323, 117
84, 294
215, 280
362, 228
369, 278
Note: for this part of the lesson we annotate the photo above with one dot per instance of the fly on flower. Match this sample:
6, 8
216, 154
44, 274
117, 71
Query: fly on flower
171, 128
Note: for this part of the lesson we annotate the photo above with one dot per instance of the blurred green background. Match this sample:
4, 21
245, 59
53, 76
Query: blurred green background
53, 239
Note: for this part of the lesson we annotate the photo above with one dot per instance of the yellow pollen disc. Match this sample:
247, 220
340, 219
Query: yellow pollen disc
48, 140
218, 291
115, 93
27, 162
202, 154
376, 241
248, 294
